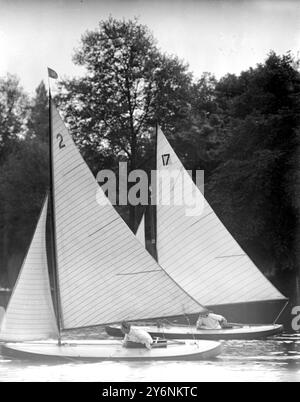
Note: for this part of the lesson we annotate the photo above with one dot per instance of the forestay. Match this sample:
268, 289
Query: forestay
30, 314
104, 273
198, 251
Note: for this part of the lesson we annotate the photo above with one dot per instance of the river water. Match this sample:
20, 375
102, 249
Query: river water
276, 359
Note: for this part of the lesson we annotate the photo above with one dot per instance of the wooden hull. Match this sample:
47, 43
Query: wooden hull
186, 332
111, 350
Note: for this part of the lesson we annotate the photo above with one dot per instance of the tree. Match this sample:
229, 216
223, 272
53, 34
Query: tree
23, 183
252, 184
13, 114
129, 86
23, 168
198, 138
38, 122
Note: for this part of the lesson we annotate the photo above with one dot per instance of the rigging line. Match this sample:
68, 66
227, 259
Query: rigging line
75, 167
109, 223
139, 272
279, 315
191, 328
228, 256
203, 217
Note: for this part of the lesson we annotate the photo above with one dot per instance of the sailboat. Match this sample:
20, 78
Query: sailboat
200, 254
102, 275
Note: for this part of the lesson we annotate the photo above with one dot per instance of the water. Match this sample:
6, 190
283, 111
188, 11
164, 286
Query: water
276, 359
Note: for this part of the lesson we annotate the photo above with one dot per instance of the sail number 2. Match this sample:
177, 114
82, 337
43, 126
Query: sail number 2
61, 141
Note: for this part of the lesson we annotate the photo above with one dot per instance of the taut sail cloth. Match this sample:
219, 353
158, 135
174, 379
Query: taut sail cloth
30, 314
197, 251
140, 233
104, 273
2, 313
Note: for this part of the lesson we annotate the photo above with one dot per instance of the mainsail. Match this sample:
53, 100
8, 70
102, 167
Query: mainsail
104, 273
197, 251
2, 313
30, 314
140, 233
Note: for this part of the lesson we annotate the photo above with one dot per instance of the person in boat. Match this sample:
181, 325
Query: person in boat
209, 320
135, 337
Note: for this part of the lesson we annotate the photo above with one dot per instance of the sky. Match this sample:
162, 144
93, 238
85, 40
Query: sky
217, 36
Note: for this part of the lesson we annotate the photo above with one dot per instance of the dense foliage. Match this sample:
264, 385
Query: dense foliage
242, 130
23, 171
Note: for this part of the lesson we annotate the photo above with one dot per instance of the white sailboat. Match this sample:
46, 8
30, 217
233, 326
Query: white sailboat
219, 271
103, 274
200, 254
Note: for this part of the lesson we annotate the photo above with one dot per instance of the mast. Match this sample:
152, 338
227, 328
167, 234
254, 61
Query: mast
52, 221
